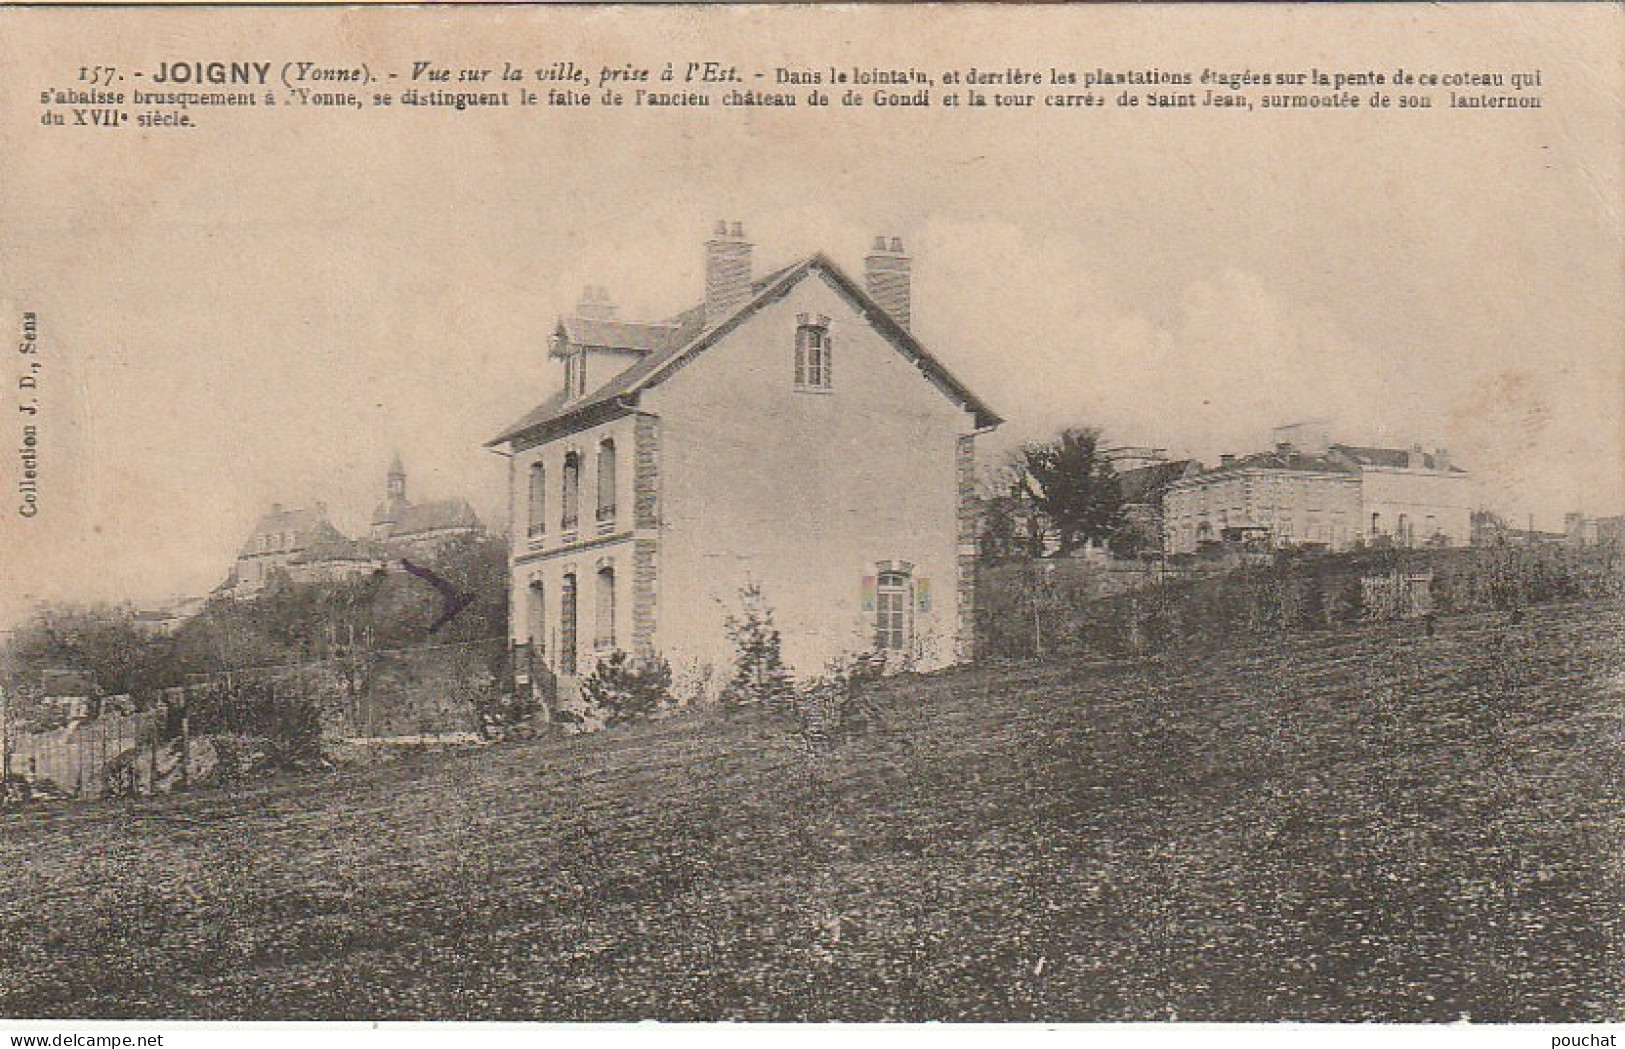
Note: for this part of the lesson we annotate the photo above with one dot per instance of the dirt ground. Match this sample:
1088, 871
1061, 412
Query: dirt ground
1366, 824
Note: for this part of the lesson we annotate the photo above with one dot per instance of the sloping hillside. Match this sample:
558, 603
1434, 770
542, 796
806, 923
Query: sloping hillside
1350, 825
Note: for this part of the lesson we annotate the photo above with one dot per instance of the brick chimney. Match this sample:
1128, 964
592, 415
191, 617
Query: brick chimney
727, 271
596, 304
886, 277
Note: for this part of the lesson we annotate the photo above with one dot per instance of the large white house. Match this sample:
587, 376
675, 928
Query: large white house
1310, 491
787, 434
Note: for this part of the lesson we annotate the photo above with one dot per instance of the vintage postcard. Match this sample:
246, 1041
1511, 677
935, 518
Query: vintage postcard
977, 513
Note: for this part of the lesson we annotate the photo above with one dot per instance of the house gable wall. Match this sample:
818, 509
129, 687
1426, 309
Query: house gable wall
805, 492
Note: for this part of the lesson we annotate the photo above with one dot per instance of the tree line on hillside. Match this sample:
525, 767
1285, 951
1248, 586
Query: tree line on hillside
287, 623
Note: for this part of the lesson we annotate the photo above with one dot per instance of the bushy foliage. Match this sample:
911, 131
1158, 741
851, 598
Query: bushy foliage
623, 689
284, 718
287, 623
291, 622
501, 713
1076, 488
759, 673
838, 704
101, 641
1017, 610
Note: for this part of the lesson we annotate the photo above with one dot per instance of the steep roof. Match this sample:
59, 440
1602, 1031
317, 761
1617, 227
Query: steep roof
1291, 461
306, 526
1397, 458
417, 518
1143, 484
691, 335
597, 333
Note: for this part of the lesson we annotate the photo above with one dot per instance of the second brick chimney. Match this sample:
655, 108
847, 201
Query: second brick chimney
596, 304
886, 278
727, 270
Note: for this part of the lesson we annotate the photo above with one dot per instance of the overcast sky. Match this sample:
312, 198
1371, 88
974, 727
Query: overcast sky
266, 307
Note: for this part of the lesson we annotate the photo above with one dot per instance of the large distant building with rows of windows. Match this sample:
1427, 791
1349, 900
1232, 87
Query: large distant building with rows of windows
1310, 492
787, 434
301, 545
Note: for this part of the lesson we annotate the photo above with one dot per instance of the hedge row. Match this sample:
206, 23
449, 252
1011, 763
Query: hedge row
1036, 609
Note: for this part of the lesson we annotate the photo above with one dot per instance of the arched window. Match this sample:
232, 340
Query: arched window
893, 598
812, 353
604, 635
572, 491
567, 625
538, 499
606, 481
536, 616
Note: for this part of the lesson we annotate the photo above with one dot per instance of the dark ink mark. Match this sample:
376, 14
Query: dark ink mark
455, 599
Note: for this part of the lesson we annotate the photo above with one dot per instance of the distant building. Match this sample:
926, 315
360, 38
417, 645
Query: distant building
1143, 477
1312, 492
1581, 530
278, 538
1273, 499
166, 617
303, 546
402, 523
67, 692
1409, 497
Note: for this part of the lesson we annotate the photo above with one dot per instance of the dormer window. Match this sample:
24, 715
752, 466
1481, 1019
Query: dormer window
812, 352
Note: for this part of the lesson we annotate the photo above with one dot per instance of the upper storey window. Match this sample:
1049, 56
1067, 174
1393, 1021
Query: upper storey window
606, 480
538, 499
571, 495
575, 374
813, 352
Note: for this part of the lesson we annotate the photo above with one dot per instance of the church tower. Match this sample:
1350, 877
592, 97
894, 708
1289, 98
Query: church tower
388, 513
397, 479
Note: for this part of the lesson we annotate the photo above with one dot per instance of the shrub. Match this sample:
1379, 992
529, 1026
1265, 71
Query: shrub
837, 705
281, 714
228, 760
760, 675
500, 714
622, 689
291, 725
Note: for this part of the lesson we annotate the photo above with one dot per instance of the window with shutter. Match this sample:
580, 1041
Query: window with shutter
893, 598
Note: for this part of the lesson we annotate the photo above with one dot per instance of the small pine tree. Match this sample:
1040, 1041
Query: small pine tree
623, 689
760, 675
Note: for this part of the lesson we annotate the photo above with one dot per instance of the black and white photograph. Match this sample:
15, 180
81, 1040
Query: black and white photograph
1102, 515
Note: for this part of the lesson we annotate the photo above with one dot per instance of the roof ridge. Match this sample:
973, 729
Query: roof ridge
656, 365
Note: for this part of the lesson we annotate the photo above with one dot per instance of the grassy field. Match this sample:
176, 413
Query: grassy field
1366, 824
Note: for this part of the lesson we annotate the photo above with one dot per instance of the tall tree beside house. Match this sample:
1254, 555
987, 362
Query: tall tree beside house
998, 539
1073, 485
